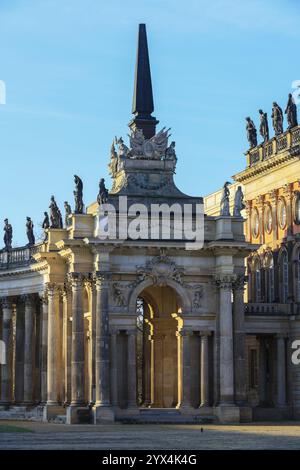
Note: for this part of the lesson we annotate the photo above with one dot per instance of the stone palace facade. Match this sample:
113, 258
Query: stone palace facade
136, 330
271, 189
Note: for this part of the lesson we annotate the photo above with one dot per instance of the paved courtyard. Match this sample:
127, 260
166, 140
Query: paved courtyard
29, 435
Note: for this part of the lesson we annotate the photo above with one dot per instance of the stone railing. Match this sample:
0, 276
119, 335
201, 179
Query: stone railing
20, 256
267, 309
288, 140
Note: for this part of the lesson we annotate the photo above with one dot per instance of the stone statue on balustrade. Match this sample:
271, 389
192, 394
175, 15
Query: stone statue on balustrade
55, 215
239, 204
103, 192
45, 225
291, 112
170, 152
251, 132
29, 231
264, 126
113, 165
78, 194
224, 206
123, 150
68, 211
277, 119
8, 235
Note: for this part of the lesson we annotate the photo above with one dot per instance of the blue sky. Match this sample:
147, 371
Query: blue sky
68, 66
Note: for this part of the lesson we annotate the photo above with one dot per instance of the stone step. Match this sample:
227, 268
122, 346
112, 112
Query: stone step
59, 419
159, 411
165, 416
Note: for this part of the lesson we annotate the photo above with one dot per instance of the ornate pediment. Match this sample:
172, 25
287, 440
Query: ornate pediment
160, 269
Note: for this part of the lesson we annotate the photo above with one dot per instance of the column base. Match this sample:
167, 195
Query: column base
183, 406
4, 405
228, 413
78, 414
50, 412
103, 414
246, 414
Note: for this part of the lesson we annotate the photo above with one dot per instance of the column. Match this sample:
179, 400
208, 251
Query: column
204, 369
67, 344
248, 223
131, 368
239, 345
147, 364
19, 359
183, 368
288, 194
77, 371
114, 367
44, 347
281, 370
102, 405
260, 207
224, 283
7, 338
274, 201
262, 372
152, 371
53, 344
29, 348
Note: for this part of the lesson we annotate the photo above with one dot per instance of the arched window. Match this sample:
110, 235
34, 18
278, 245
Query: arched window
270, 293
284, 277
257, 280
297, 208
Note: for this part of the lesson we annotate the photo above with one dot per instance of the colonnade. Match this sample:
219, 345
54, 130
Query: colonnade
48, 346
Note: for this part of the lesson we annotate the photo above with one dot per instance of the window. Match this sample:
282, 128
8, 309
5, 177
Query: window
297, 209
253, 372
282, 218
268, 219
257, 281
285, 277
270, 279
255, 223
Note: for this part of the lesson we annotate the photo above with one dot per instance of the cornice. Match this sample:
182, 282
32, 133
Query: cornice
33, 268
264, 166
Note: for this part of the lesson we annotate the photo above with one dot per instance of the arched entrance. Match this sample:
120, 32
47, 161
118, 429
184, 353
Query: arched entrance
158, 321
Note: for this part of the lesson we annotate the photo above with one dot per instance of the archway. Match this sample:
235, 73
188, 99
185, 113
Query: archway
158, 321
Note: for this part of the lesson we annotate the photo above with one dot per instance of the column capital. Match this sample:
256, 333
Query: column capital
114, 330
184, 332
205, 333
273, 194
240, 281
282, 335
29, 299
52, 288
224, 281
248, 207
287, 189
259, 201
43, 298
76, 280
65, 292
131, 332
6, 302
102, 279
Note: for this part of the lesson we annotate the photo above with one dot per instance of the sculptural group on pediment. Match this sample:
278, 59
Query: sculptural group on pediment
156, 148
